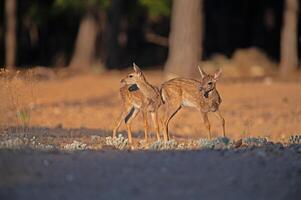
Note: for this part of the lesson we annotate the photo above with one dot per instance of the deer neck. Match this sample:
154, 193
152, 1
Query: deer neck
146, 88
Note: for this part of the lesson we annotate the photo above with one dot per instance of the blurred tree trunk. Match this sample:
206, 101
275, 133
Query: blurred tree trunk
84, 52
185, 39
289, 44
111, 44
10, 34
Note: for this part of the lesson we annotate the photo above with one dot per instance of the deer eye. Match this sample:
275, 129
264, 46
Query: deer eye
130, 76
210, 83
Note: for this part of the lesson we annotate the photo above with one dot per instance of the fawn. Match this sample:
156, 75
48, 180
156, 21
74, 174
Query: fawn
202, 95
132, 100
137, 94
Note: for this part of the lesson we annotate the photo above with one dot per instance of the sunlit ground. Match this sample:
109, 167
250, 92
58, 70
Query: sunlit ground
261, 107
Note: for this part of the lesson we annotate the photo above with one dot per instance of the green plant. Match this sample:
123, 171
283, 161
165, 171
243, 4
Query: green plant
157, 8
24, 116
244, 133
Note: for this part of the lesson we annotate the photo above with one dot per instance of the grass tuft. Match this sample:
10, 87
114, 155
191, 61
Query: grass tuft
119, 142
75, 146
216, 143
252, 141
294, 139
161, 145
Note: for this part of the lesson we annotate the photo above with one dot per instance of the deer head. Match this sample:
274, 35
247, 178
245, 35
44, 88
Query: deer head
209, 81
135, 77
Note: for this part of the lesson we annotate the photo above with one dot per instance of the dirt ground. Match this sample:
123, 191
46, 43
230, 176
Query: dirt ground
85, 107
265, 107
242, 174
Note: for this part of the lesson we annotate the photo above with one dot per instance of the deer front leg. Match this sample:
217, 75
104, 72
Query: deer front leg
128, 120
207, 124
164, 119
144, 115
222, 120
129, 130
156, 123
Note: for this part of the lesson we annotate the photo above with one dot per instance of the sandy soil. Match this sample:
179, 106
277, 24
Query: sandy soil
263, 108
84, 108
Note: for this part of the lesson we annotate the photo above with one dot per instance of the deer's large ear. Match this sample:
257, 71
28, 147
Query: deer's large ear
137, 69
203, 74
218, 74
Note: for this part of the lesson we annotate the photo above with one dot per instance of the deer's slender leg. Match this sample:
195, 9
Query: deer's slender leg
128, 121
144, 115
163, 121
129, 130
222, 120
122, 117
119, 121
156, 124
170, 113
207, 124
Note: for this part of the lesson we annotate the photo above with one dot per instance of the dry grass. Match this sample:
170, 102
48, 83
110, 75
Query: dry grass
17, 96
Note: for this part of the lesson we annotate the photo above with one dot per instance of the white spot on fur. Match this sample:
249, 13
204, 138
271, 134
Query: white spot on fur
188, 103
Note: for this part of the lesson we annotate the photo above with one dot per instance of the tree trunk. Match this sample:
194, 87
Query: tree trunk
289, 45
111, 45
185, 40
10, 34
84, 53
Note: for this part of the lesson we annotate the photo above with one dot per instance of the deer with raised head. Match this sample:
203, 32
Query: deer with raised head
132, 100
200, 94
138, 94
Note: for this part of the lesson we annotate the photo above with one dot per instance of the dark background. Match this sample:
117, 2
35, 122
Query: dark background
228, 25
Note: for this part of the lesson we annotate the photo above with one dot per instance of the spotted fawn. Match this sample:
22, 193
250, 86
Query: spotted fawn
137, 95
200, 94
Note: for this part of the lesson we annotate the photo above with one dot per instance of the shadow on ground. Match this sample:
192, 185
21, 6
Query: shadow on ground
206, 174
268, 172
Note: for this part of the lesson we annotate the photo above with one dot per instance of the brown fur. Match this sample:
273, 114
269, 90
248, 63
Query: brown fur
147, 99
131, 100
182, 92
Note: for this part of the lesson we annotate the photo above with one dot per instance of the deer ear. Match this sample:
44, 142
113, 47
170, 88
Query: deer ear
218, 74
203, 74
137, 69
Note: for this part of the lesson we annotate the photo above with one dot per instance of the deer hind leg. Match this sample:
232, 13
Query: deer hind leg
145, 121
169, 114
207, 124
119, 121
222, 120
128, 121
